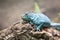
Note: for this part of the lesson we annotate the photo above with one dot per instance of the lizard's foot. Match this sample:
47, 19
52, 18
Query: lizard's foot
37, 29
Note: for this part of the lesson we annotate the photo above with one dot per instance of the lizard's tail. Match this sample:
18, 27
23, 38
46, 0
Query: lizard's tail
56, 25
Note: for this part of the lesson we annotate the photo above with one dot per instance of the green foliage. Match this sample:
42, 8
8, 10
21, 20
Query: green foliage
57, 19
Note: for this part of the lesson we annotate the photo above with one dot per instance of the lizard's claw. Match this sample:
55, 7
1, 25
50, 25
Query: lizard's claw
37, 29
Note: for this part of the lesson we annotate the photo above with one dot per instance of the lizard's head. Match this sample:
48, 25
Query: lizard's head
27, 16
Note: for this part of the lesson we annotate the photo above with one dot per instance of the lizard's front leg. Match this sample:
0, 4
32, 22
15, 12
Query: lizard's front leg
39, 27
31, 23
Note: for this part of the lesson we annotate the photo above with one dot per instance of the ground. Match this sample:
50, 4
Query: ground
25, 31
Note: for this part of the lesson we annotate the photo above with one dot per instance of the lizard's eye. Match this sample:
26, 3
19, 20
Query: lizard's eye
25, 14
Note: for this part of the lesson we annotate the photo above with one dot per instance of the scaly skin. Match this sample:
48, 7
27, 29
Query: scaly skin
40, 20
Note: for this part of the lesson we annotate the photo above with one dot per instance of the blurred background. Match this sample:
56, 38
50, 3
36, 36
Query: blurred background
11, 10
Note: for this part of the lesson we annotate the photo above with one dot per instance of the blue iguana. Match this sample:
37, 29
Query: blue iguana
39, 19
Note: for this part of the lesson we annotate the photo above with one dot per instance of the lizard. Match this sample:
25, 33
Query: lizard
39, 19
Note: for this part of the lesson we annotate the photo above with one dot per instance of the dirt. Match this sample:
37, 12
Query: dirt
25, 31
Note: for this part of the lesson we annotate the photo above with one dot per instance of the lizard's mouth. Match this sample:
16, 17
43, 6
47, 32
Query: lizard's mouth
24, 17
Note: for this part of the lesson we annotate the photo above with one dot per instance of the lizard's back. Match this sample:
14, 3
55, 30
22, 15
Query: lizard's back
37, 18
